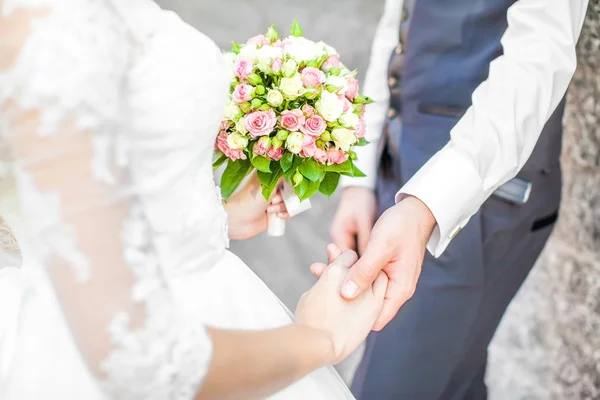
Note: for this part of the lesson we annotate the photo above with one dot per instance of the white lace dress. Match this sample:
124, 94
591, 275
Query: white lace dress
108, 112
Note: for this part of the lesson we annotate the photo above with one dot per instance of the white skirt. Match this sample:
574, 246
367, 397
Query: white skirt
38, 358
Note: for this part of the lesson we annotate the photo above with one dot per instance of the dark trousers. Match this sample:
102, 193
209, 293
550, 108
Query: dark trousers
436, 346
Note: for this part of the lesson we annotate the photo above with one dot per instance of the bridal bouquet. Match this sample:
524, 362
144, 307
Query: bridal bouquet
295, 113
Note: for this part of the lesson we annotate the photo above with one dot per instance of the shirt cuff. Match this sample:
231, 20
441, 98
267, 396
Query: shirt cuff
449, 185
366, 161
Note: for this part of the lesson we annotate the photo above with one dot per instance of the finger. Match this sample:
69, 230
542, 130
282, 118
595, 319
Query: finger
347, 259
284, 215
343, 237
363, 273
278, 198
380, 285
333, 252
276, 208
399, 291
317, 269
364, 234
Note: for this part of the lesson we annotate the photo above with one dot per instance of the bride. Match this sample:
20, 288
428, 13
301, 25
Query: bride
108, 112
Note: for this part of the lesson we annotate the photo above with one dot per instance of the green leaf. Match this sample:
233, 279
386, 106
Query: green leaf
329, 183
261, 163
233, 175
312, 170
235, 48
269, 181
290, 172
287, 160
306, 189
344, 168
220, 160
362, 142
295, 29
357, 173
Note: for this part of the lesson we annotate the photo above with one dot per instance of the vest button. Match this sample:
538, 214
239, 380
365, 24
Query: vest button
391, 113
392, 82
398, 50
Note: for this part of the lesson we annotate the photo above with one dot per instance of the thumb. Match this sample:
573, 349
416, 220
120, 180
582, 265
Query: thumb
363, 273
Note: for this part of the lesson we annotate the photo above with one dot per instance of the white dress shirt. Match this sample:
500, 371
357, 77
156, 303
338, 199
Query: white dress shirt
493, 140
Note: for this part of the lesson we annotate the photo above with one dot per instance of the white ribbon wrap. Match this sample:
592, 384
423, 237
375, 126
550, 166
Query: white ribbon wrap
276, 225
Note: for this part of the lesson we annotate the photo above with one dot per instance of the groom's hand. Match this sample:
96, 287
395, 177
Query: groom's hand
397, 247
354, 219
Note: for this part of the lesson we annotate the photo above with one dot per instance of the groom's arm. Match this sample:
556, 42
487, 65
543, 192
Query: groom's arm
496, 136
376, 87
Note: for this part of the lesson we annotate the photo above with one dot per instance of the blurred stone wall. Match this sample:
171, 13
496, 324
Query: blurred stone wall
548, 346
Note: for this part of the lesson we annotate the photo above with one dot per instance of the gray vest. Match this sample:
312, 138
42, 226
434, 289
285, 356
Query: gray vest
445, 50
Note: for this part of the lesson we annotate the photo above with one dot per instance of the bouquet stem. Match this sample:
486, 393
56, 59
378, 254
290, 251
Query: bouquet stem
276, 226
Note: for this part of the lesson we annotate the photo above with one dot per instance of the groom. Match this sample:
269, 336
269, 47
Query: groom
471, 88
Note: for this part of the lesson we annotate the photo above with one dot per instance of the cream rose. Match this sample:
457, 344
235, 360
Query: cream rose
240, 126
274, 98
232, 111
343, 138
235, 141
303, 50
291, 87
294, 142
349, 120
329, 106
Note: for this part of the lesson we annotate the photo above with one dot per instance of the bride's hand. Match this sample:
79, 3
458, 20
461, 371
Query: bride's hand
347, 323
247, 210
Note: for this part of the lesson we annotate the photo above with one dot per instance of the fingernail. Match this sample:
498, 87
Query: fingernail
349, 289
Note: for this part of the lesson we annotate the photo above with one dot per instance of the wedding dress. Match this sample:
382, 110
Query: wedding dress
109, 113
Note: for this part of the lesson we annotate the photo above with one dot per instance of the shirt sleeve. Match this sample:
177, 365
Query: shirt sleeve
376, 87
496, 136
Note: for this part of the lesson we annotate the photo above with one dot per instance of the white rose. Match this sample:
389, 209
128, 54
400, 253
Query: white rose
326, 49
349, 120
338, 82
302, 50
232, 111
329, 106
274, 98
294, 142
289, 68
249, 51
343, 138
266, 55
292, 87
235, 141
240, 126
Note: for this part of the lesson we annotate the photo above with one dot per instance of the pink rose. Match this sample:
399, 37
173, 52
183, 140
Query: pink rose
242, 93
260, 123
225, 124
292, 120
361, 128
258, 40
276, 65
347, 104
243, 68
281, 44
262, 146
221, 144
314, 126
352, 92
320, 156
312, 77
308, 111
331, 62
336, 156
308, 146
275, 154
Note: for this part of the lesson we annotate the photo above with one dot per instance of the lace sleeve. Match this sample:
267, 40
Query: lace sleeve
63, 76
